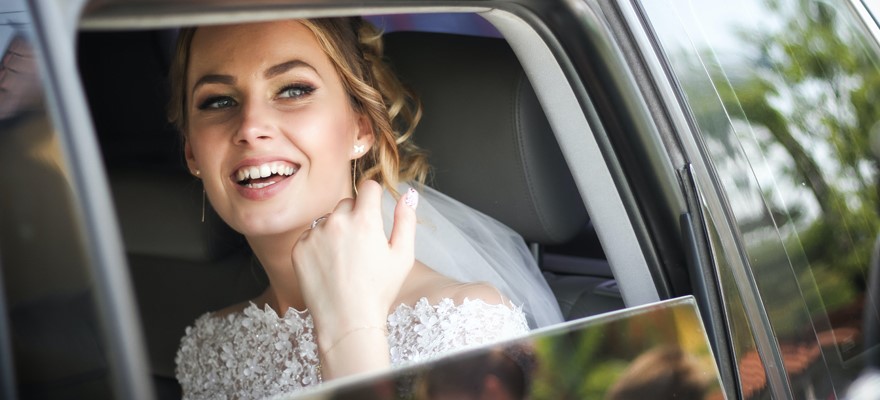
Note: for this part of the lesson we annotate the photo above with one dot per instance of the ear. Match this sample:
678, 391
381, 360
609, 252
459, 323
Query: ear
364, 136
191, 163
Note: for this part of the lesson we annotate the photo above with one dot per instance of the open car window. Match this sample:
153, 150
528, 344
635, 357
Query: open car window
182, 267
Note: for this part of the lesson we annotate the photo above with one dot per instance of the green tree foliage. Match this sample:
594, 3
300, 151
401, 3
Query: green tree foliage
815, 90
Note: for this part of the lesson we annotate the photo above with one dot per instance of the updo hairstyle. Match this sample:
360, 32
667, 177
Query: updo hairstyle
355, 48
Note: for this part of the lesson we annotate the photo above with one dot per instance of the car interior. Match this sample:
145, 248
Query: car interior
490, 145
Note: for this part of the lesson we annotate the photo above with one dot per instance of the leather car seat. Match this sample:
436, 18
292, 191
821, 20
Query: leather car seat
492, 148
180, 266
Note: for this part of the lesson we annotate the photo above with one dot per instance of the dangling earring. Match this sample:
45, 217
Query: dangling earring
203, 204
354, 168
358, 149
203, 196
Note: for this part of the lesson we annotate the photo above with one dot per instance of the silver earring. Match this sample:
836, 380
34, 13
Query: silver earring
198, 172
359, 148
203, 204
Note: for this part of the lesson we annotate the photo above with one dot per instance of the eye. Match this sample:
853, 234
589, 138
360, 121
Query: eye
295, 91
217, 102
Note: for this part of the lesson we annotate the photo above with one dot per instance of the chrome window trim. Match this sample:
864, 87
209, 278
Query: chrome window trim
716, 206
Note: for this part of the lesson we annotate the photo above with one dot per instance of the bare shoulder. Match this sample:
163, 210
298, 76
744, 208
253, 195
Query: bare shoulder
477, 291
235, 308
427, 283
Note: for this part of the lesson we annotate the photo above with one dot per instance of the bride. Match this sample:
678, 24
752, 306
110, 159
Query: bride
299, 133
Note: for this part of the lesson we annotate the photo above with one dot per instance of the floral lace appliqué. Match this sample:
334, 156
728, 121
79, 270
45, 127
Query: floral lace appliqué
255, 353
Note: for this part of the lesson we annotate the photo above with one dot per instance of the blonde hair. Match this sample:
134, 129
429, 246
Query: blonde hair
355, 48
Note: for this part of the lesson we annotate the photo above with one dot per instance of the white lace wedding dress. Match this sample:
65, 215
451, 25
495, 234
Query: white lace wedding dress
255, 353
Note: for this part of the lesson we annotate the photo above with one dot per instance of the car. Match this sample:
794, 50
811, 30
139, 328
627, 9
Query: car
724, 152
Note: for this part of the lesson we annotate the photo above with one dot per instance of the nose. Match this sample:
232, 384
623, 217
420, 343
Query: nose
256, 124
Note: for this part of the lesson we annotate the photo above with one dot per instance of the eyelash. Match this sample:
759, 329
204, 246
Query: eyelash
305, 89
211, 103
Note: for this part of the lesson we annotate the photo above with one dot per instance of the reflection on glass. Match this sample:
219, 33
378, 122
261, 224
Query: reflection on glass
786, 104
664, 372
56, 345
660, 349
503, 373
750, 371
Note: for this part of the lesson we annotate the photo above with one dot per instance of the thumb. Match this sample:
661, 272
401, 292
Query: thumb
403, 233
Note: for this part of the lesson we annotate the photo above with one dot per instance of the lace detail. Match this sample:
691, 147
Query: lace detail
255, 353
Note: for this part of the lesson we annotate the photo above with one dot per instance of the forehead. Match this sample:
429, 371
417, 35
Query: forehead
226, 48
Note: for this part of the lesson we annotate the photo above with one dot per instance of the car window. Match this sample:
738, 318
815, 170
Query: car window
657, 351
182, 267
787, 107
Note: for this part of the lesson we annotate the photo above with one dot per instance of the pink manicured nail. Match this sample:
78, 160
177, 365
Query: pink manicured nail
411, 198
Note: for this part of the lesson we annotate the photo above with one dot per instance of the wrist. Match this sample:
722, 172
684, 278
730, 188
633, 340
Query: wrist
360, 349
326, 346
330, 328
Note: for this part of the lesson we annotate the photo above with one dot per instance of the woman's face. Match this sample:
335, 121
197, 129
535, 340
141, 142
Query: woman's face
271, 129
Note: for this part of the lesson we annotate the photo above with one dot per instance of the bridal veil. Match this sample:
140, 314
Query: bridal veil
469, 246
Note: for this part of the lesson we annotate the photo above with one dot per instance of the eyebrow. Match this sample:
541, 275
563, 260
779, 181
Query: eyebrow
272, 72
223, 79
286, 66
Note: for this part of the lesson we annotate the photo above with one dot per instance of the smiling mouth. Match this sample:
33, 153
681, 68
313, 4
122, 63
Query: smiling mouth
263, 175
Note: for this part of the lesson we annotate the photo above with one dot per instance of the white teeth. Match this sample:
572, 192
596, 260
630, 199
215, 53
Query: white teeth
264, 171
259, 185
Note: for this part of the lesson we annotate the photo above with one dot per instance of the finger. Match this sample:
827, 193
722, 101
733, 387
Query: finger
403, 234
345, 205
296, 250
369, 197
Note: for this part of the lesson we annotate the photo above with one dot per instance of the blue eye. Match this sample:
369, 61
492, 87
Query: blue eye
217, 103
295, 91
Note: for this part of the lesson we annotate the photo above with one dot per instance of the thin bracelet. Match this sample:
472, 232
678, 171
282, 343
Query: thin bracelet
353, 330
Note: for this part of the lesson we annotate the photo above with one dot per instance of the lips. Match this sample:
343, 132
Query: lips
264, 175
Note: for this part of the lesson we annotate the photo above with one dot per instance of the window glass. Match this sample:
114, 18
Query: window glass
786, 96
55, 340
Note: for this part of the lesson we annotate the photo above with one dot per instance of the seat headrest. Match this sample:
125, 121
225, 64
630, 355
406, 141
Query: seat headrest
160, 215
490, 144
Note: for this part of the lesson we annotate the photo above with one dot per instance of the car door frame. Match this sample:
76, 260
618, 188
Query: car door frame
613, 103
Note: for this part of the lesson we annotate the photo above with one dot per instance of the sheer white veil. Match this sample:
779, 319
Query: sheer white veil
467, 245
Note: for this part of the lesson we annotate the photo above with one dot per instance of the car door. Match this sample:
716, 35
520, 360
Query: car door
650, 223
775, 105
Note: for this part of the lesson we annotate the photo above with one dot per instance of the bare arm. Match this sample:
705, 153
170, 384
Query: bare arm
350, 273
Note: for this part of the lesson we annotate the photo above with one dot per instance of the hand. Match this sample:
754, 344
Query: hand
348, 271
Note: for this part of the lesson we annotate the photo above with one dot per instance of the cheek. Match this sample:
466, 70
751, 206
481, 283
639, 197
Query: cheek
324, 136
202, 150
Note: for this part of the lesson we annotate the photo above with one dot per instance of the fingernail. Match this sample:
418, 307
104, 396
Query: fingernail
411, 198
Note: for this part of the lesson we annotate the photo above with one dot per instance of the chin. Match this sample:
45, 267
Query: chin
268, 225
272, 228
